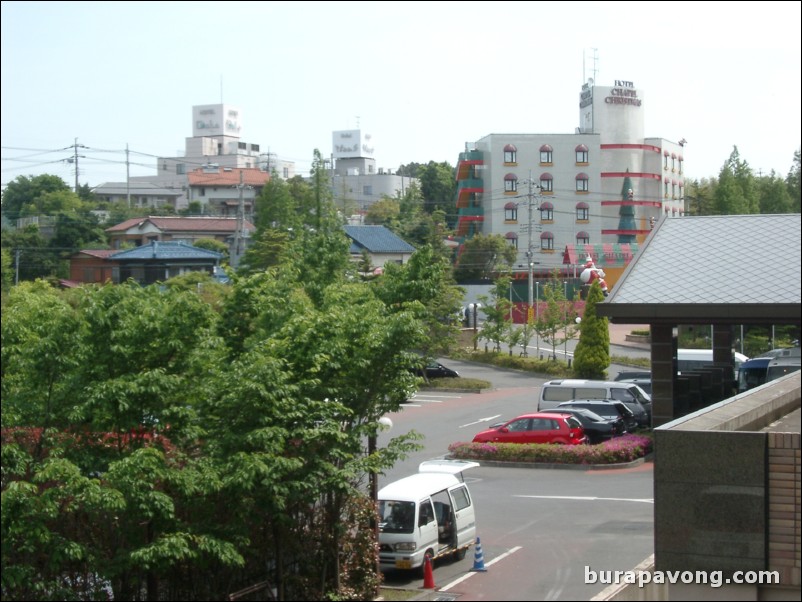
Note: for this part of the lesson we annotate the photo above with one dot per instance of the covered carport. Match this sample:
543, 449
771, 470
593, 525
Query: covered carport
723, 271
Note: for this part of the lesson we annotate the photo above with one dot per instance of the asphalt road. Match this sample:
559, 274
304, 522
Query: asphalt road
538, 528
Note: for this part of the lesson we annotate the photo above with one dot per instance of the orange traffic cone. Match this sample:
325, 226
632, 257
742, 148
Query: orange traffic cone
428, 575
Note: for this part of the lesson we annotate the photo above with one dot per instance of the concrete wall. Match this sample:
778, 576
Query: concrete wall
727, 498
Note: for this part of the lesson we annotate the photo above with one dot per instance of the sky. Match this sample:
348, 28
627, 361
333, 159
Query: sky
424, 79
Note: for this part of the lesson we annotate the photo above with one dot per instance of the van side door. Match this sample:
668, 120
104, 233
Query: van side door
464, 514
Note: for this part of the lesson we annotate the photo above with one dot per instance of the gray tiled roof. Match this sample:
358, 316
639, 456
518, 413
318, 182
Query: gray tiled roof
729, 267
376, 239
166, 250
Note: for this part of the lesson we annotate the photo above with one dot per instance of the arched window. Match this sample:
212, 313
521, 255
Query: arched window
547, 241
582, 212
546, 182
510, 183
546, 154
512, 238
546, 211
582, 182
582, 238
581, 153
510, 154
511, 212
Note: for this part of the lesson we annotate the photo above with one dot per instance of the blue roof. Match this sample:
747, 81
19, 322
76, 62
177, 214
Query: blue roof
166, 250
376, 239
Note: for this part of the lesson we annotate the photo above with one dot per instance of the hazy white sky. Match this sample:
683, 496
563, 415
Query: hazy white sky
423, 78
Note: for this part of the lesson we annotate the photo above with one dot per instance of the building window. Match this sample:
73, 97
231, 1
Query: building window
547, 241
546, 183
202, 191
510, 154
510, 183
679, 164
511, 212
673, 162
582, 238
241, 146
665, 160
665, 189
546, 154
180, 169
582, 212
581, 154
367, 190
582, 181
255, 148
546, 212
285, 172
512, 238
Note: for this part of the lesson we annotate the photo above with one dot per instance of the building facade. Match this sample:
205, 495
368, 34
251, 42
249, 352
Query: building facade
604, 184
215, 143
356, 182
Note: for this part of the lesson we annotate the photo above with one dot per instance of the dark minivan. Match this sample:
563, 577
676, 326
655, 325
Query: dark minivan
606, 408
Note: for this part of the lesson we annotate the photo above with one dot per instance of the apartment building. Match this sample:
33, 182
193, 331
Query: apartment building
558, 197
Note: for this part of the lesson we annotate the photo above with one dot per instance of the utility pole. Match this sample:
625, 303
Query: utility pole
74, 160
235, 256
127, 176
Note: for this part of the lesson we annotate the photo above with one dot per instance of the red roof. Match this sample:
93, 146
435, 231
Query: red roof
184, 224
228, 177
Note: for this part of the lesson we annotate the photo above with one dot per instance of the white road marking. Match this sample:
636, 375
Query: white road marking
589, 499
480, 421
487, 564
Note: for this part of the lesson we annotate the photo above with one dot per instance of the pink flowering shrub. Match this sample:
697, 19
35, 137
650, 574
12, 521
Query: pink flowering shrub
615, 451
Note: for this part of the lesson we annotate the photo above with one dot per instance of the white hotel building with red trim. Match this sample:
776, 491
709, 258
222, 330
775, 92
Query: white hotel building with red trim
557, 194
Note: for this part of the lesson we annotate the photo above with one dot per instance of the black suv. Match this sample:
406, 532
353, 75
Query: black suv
606, 408
597, 428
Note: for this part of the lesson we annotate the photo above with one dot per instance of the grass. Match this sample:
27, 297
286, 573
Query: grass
395, 593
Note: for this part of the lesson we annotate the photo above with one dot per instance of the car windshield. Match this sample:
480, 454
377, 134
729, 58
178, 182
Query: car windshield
637, 393
396, 516
593, 416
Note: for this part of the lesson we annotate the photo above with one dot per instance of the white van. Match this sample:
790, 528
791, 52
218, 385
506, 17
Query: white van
693, 359
430, 512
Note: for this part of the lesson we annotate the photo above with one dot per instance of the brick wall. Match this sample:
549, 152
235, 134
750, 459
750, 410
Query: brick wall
784, 506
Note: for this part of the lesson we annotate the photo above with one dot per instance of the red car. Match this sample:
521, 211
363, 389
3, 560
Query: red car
542, 427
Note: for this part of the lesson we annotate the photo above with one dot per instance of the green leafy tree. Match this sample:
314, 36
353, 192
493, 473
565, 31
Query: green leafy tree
557, 318
497, 307
28, 191
212, 244
592, 352
32, 257
484, 255
383, 212
425, 280
438, 187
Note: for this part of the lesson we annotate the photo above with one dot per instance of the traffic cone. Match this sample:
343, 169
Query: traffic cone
478, 558
428, 575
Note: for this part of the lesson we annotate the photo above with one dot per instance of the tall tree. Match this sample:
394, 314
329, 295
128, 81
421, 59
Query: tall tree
792, 180
592, 352
736, 193
28, 191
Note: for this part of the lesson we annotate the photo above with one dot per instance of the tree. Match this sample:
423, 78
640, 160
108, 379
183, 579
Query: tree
484, 255
26, 191
592, 352
383, 212
736, 193
498, 321
426, 286
556, 318
773, 195
792, 180
212, 244
438, 187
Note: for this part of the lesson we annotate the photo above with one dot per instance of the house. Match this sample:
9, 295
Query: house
726, 472
143, 230
144, 195
381, 244
224, 190
159, 261
92, 266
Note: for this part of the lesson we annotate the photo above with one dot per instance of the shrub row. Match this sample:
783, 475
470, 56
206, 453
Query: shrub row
616, 451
